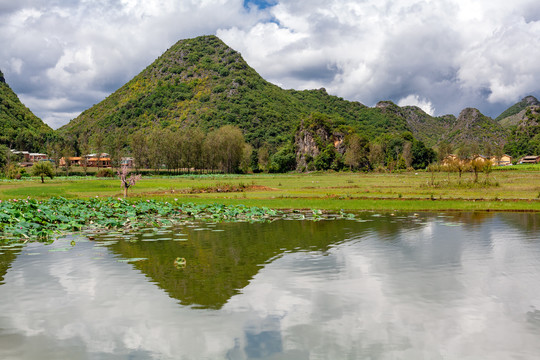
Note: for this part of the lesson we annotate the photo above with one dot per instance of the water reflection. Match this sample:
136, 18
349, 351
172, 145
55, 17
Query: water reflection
404, 286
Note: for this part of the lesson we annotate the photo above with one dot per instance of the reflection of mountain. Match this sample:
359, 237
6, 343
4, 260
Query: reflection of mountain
528, 223
220, 264
5, 261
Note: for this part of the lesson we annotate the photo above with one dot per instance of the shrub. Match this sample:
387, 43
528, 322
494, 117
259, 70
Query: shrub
106, 173
13, 171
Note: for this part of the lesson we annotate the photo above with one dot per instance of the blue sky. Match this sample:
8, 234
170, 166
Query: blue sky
63, 56
261, 4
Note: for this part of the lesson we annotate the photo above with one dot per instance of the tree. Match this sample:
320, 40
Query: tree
445, 149
192, 140
55, 153
155, 148
228, 145
84, 148
356, 155
263, 157
172, 149
125, 181
407, 154
42, 169
246, 158
421, 155
98, 145
4, 155
115, 146
326, 157
477, 165
376, 154
139, 150
284, 159
67, 154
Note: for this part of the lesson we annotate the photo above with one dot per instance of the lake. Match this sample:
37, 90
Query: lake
382, 286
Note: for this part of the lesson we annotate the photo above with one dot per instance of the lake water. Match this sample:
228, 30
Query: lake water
387, 286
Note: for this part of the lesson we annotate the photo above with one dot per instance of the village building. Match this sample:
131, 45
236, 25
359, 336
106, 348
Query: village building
479, 158
127, 161
28, 158
92, 160
530, 159
503, 160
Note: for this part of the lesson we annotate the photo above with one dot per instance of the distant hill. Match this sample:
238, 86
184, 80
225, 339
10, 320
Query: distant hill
19, 127
202, 82
516, 113
472, 127
423, 126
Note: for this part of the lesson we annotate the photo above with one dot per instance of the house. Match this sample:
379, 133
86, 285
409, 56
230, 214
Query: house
25, 155
28, 159
92, 160
127, 161
98, 160
479, 159
74, 161
504, 160
530, 159
35, 157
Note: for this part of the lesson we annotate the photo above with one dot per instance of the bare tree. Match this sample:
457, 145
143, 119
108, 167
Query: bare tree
125, 181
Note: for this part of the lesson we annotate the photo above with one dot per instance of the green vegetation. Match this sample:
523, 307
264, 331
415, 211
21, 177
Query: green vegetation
43, 169
517, 189
19, 127
202, 85
518, 107
32, 219
525, 137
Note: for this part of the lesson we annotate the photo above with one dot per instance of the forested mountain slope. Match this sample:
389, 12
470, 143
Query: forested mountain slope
203, 83
19, 127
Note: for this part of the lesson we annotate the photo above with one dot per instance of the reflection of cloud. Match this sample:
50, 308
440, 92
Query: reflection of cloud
433, 292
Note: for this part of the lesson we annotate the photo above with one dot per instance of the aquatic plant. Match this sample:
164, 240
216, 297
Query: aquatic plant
30, 219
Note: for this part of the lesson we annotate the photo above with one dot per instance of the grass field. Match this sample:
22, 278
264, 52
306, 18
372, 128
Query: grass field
509, 189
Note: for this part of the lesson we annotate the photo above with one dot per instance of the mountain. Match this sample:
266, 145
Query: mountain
473, 128
19, 127
517, 112
202, 82
423, 126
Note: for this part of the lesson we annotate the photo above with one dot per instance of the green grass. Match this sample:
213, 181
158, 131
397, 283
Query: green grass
515, 190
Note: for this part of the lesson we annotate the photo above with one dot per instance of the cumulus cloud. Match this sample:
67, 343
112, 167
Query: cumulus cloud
456, 54
84, 50
415, 100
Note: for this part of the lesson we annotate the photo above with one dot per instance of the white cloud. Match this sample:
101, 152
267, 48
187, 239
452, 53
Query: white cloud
415, 100
455, 53
84, 49
477, 53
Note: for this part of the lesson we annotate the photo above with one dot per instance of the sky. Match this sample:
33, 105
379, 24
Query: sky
63, 56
